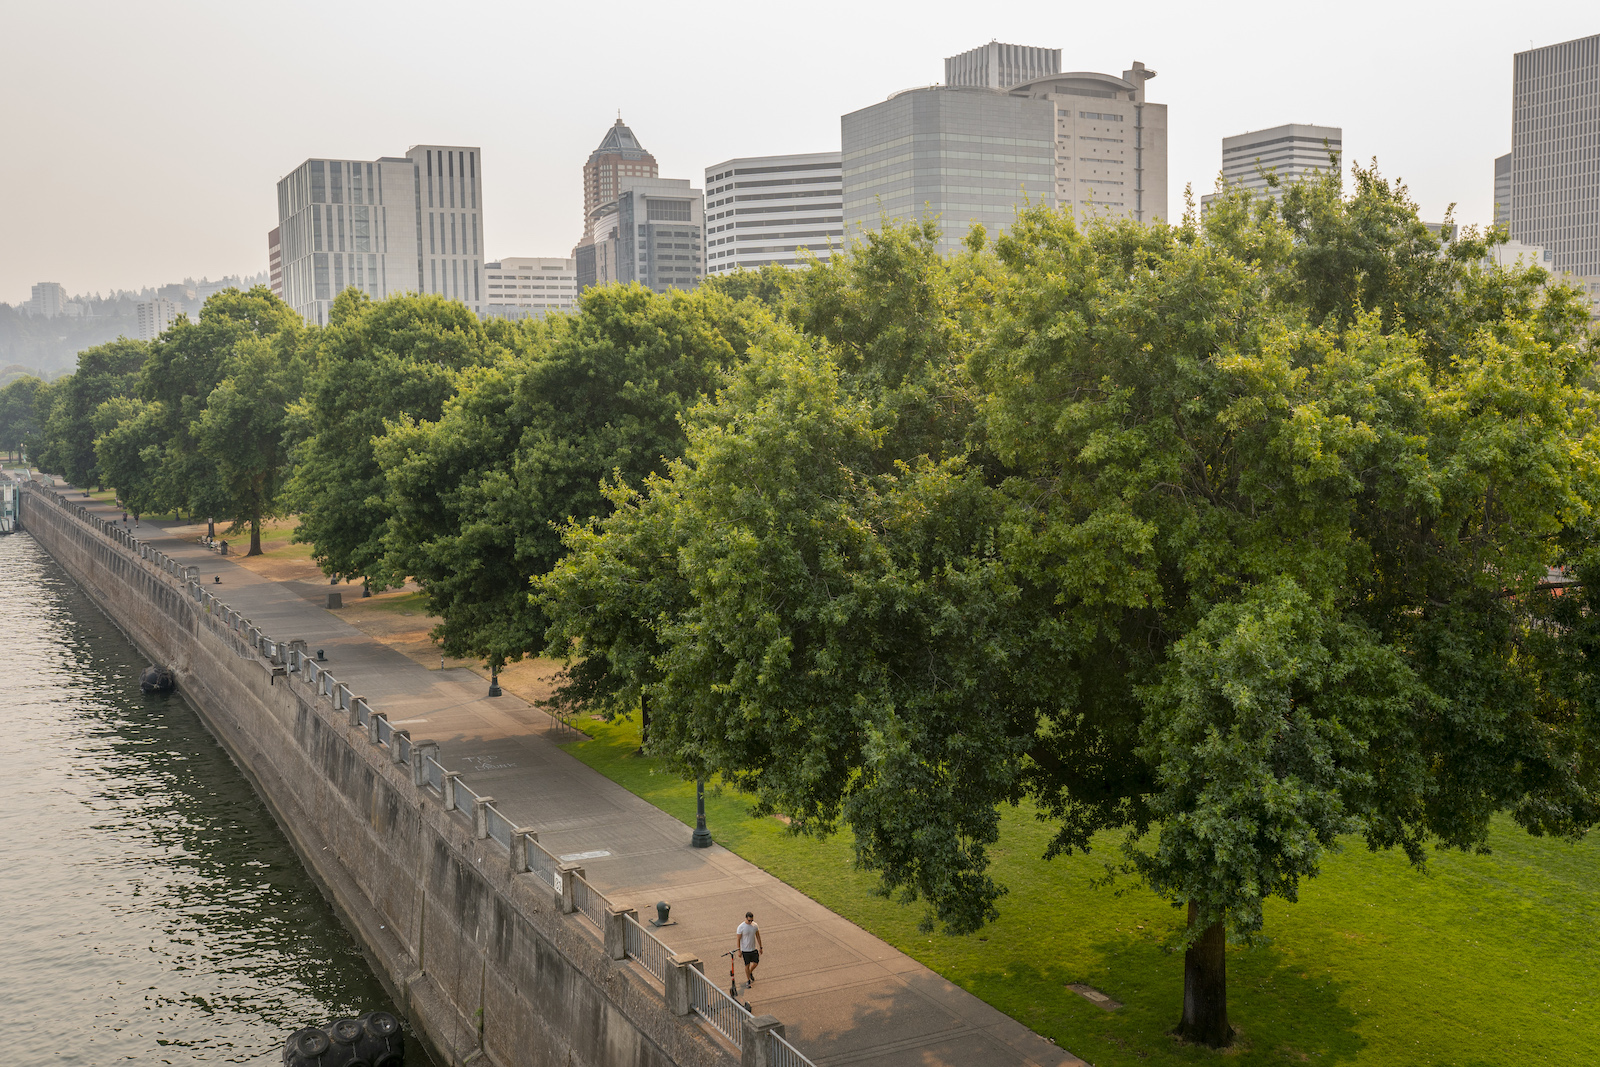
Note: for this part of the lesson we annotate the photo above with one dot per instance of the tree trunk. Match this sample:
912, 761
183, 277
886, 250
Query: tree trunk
255, 537
644, 721
1205, 987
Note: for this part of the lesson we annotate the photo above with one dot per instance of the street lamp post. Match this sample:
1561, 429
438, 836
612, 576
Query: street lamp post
702, 836
494, 681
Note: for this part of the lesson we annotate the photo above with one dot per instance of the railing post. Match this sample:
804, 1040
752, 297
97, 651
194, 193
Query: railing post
617, 931
677, 982
521, 838
420, 752
757, 1046
569, 900
353, 711
373, 719
394, 742
480, 816
450, 780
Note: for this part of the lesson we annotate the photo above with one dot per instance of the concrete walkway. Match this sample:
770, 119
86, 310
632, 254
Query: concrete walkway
845, 996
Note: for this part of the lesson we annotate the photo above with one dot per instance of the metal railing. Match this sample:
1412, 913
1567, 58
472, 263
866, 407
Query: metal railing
542, 863
499, 826
725, 1014
782, 1054
640, 944
706, 998
588, 900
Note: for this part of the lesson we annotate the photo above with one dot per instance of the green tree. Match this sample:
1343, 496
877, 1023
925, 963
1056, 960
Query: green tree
528, 441
186, 363
375, 363
242, 428
128, 448
18, 420
103, 372
1231, 569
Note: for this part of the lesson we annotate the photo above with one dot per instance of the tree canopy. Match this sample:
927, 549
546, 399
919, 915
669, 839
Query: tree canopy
1245, 543
527, 442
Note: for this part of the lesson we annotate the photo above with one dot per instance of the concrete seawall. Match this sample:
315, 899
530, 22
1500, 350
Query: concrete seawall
483, 958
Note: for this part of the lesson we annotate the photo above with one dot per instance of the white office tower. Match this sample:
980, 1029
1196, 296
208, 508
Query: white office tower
155, 316
1502, 190
772, 209
1000, 66
1555, 181
653, 233
529, 287
1110, 143
1288, 153
393, 225
49, 299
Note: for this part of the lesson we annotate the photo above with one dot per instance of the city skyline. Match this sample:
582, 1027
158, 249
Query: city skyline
248, 115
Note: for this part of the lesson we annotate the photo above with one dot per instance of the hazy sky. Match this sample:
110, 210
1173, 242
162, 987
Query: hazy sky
143, 141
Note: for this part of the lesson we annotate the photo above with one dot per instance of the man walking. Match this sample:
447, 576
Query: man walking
749, 947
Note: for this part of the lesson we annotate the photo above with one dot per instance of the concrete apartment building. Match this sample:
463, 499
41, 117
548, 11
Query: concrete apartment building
397, 224
529, 287
652, 233
48, 300
275, 262
764, 210
1502, 190
1555, 169
155, 316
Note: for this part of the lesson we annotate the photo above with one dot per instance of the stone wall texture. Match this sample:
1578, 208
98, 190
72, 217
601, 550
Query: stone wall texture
479, 958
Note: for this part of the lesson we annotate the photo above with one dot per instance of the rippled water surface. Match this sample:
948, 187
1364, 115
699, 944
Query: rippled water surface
150, 909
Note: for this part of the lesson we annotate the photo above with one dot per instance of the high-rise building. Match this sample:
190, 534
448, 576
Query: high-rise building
1287, 153
1555, 172
275, 262
392, 225
961, 155
48, 300
653, 233
155, 316
529, 287
1502, 190
619, 159
1000, 66
768, 209
1110, 143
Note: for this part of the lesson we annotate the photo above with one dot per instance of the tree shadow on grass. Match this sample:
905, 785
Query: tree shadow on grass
1283, 1013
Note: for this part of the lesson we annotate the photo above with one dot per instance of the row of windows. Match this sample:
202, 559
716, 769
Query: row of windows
450, 279
457, 172
436, 239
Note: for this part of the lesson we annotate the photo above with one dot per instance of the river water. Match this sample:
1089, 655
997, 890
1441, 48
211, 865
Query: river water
151, 911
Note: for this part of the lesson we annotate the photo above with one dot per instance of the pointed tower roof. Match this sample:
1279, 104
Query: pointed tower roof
619, 140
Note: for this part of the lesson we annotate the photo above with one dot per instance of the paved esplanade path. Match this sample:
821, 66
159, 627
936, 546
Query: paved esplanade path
844, 996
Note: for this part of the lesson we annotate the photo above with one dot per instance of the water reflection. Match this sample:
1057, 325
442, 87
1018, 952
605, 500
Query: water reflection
150, 910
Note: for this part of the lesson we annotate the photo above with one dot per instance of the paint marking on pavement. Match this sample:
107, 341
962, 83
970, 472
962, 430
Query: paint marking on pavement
574, 856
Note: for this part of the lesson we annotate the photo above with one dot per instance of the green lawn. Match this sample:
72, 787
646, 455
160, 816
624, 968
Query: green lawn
1482, 960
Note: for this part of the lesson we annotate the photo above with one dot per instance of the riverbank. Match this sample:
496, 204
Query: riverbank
844, 996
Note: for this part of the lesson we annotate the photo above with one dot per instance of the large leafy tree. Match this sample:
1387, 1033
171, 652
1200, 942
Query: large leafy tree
104, 372
375, 363
242, 428
163, 452
528, 441
19, 421
1232, 564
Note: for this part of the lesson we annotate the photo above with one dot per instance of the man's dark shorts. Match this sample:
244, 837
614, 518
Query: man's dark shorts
751, 956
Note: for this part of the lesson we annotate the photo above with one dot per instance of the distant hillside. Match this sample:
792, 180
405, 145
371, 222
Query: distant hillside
50, 347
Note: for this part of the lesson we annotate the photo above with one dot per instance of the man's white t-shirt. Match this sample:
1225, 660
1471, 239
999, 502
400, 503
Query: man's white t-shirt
747, 937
